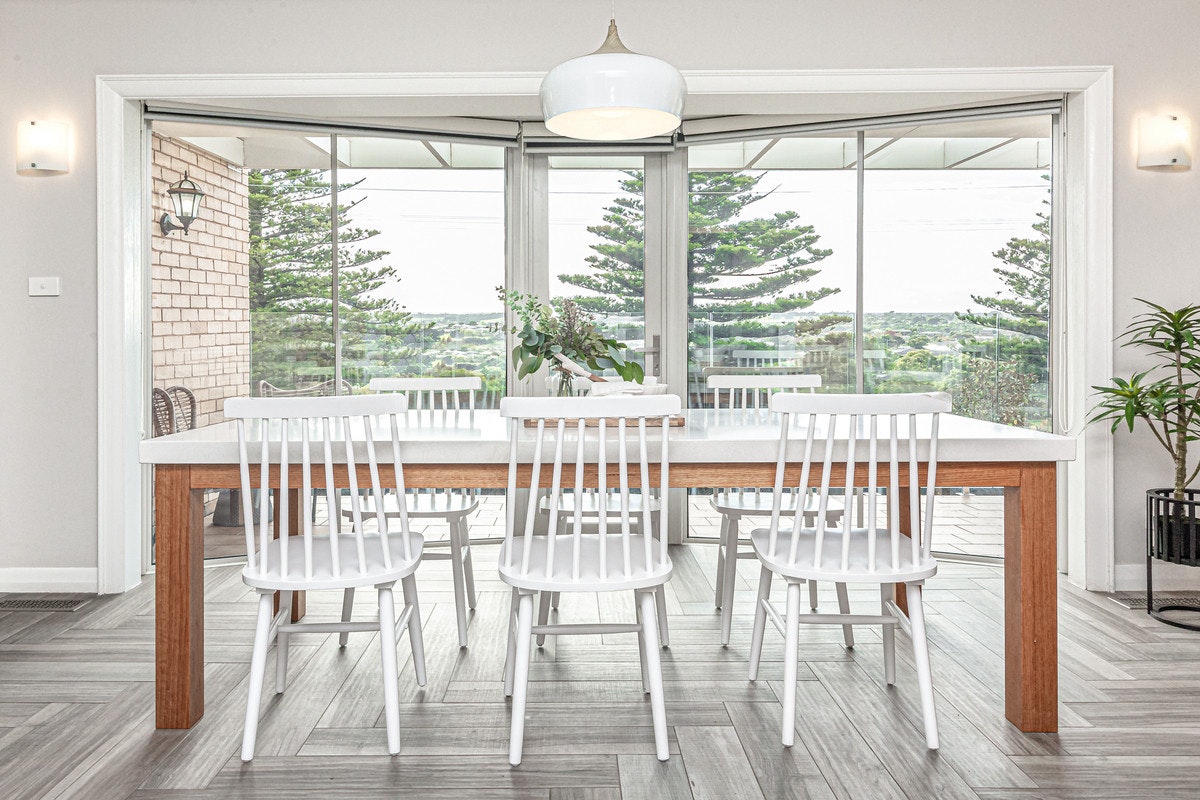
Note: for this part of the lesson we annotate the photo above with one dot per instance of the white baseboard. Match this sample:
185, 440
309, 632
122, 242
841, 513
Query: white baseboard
1167, 577
48, 579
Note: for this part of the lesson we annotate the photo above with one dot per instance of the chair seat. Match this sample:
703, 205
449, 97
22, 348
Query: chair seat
376, 571
425, 504
591, 504
560, 579
750, 502
830, 567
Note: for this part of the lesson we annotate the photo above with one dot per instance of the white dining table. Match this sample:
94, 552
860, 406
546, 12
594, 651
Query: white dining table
471, 449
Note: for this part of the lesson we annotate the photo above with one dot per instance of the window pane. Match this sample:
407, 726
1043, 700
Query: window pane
418, 289
596, 237
291, 279
771, 263
956, 282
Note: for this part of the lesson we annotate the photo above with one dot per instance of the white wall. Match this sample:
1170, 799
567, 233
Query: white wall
52, 50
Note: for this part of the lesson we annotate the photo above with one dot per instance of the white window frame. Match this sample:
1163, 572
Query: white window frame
124, 232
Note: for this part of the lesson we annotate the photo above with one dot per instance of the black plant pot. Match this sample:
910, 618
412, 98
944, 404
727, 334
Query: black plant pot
1172, 535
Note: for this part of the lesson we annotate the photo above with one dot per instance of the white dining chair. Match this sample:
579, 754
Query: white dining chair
431, 400
588, 502
854, 438
739, 399
585, 442
276, 434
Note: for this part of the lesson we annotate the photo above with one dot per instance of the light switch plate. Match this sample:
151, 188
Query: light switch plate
45, 287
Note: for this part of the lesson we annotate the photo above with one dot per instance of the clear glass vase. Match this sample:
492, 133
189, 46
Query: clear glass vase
560, 384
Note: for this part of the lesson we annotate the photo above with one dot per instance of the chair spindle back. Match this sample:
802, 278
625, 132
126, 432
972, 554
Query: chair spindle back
590, 438
844, 424
275, 433
428, 394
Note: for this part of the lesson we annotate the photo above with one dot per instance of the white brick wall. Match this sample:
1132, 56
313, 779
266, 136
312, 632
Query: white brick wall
200, 286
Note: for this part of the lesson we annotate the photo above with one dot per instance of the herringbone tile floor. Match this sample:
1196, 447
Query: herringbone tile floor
77, 692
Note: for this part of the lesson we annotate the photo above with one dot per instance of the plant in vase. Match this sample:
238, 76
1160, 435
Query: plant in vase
1166, 397
546, 331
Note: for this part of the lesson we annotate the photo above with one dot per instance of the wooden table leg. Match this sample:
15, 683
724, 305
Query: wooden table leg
178, 598
1031, 600
899, 590
295, 509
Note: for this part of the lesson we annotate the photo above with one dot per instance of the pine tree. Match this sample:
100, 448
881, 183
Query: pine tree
739, 268
291, 282
1024, 303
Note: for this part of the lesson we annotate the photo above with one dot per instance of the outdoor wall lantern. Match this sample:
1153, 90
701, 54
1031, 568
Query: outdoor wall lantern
43, 147
613, 94
185, 198
1164, 141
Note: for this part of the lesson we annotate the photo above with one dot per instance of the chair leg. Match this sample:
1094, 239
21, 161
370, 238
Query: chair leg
414, 627
347, 607
281, 643
554, 600
730, 577
510, 656
844, 608
520, 678
258, 668
791, 658
387, 648
760, 621
456, 577
654, 674
719, 587
543, 615
887, 592
916, 616
660, 601
637, 609
468, 565
812, 595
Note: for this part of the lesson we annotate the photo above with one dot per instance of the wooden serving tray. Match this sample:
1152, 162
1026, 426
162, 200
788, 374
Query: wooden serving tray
651, 422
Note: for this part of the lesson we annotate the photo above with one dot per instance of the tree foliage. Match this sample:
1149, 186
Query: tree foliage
998, 391
1023, 305
740, 268
291, 284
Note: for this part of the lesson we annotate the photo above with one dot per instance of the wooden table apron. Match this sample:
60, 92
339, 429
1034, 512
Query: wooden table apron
1030, 567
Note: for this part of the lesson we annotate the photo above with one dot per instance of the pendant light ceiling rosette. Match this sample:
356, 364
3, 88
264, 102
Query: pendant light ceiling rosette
613, 94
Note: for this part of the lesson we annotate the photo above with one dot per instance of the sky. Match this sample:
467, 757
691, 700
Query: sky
928, 235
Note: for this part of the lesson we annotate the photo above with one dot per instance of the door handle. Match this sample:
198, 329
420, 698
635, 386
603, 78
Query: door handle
653, 350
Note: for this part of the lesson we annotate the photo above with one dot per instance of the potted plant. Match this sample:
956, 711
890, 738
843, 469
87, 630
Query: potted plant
545, 332
1166, 397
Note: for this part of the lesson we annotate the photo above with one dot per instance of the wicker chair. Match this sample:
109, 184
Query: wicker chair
183, 403
164, 412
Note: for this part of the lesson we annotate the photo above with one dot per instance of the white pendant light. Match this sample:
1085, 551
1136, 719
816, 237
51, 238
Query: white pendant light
613, 94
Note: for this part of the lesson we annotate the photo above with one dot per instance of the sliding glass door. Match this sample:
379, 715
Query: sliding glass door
883, 259
596, 228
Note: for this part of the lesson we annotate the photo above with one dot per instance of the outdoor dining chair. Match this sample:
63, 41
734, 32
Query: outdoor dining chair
428, 397
743, 398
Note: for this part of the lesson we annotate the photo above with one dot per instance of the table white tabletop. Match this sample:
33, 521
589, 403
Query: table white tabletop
481, 437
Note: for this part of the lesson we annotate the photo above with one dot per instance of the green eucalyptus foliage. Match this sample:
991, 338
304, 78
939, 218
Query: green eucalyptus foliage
545, 331
1167, 395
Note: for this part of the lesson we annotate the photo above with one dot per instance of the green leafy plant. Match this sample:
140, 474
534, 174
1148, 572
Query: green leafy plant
1166, 396
545, 331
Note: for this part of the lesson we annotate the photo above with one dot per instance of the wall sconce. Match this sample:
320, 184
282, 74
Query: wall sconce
1164, 141
185, 198
43, 147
